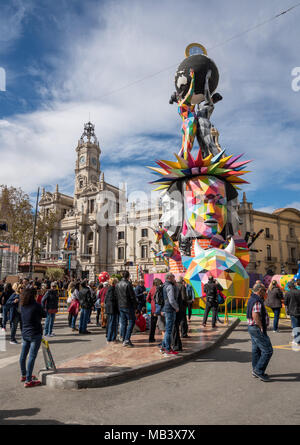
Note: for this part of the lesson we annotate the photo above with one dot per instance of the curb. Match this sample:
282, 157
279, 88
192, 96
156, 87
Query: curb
58, 381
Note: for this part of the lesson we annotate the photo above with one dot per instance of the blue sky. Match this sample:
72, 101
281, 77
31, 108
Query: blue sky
67, 60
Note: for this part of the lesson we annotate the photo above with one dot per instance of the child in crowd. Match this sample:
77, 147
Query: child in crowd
140, 322
146, 317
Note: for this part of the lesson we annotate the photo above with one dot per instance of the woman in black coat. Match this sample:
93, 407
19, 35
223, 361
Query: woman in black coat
274, 301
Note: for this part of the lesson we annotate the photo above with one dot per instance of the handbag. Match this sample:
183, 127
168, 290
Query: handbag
69, 299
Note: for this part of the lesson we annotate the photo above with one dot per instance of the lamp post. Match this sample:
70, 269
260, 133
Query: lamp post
33, 236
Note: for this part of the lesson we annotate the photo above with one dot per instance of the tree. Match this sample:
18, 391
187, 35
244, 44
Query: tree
55, 273
17, 211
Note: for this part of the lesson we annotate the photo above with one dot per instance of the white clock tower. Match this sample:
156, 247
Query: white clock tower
87, 170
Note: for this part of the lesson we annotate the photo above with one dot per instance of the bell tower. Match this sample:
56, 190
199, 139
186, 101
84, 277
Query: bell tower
87, 169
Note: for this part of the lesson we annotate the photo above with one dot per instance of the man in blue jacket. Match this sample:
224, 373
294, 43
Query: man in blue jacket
169, 310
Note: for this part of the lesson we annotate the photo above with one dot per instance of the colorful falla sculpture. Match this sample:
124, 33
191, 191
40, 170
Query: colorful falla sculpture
200, 221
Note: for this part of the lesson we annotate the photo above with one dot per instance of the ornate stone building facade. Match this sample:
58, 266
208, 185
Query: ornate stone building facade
279, 244
125, 238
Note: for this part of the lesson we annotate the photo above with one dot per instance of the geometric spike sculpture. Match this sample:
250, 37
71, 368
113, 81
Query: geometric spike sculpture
227, 169
225, 267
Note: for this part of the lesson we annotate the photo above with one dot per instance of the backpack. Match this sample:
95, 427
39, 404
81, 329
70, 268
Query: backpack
159, 299
158, 296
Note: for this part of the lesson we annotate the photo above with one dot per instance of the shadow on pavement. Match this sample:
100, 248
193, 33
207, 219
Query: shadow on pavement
5, 416
92, 369
51, 342
226, 355
293, 377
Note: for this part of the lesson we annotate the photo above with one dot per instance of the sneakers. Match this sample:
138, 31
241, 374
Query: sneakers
128, 344
169, 353
262, 377
14, 342
23, 378
52, 335
32, 383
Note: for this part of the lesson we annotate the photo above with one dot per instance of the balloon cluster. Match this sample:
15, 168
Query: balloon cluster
103, 276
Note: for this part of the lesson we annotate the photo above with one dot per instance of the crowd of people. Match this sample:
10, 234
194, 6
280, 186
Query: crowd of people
120, 309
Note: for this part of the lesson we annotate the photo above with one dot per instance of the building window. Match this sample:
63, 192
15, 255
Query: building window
120, 253
90, 236
269, 253
291, 232
267, 232
144, 233
144, 252
293, 253
92, 205
121, 235
90, 250
81, 183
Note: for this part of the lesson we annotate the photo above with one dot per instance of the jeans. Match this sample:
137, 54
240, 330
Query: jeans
262, 350
73, 321
296, 328
112, 327
5, 315
127, 320
276, 317
13, 327
89, 315
209, 306
49, 322
170, 320
31, 346
83, 320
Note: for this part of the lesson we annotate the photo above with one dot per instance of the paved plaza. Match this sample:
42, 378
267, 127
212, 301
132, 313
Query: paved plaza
214, 388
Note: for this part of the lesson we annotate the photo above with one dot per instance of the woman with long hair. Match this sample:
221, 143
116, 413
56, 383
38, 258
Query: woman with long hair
31, 315
74, 306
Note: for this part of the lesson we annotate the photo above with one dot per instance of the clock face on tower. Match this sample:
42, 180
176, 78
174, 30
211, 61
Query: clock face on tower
82, 159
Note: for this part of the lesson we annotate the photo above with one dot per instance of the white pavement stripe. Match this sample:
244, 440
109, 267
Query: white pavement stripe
9, 360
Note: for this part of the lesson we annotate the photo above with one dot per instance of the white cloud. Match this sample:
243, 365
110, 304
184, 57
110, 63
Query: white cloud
133, 40
266, 209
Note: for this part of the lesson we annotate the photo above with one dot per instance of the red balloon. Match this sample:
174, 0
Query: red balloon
103, 276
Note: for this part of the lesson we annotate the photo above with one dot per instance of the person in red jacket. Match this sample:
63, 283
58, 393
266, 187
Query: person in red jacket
140, 322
